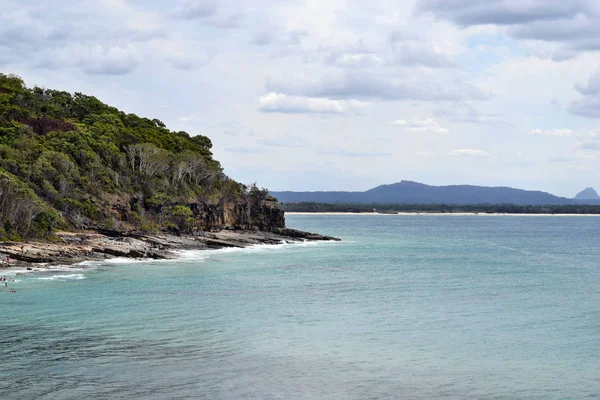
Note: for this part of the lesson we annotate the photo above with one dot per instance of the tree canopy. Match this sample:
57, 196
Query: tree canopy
70, 161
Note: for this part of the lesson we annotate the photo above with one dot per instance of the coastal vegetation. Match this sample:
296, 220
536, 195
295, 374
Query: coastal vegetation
442, 208
69, 161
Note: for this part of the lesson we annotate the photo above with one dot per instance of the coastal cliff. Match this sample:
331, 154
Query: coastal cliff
70, 164
266, 216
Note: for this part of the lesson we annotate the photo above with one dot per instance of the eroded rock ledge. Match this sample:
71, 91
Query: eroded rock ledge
78, 247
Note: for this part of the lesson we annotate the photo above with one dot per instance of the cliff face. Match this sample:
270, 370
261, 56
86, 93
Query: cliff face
265, 216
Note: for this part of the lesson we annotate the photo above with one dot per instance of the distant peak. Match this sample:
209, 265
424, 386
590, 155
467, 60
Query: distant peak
410, 183
587, 194
402, 183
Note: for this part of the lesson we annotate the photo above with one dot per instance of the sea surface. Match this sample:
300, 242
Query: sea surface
406, 307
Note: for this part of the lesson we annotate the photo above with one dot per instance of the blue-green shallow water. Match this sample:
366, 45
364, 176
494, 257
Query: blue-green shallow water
406, 307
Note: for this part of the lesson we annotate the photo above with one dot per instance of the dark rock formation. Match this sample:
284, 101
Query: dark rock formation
76, 247
265, 216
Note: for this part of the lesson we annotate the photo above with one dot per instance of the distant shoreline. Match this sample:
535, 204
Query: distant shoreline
456, 214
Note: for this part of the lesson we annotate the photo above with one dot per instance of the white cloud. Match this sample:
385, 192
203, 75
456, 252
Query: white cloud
589, 145
286, 141
410, 50
354, 55
355, 154
275, 36
280, 103
570, 27
116, 60
503, 12
589, 104
356, 60
560, 159
420, 125
367, 85
93, 60
191, 9
188, 61
463, 112
470, 153
553, 132
487, 65
246, 149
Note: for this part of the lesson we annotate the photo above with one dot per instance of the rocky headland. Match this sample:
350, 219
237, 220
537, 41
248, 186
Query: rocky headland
82, 180
212, 226
75, 247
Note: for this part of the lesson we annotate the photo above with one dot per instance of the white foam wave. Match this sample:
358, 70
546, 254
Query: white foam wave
12, 271
69, 268
93, 264
196, 255
62, 277
122, 260
189, 255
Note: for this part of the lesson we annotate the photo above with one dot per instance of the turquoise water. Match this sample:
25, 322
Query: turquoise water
423, 307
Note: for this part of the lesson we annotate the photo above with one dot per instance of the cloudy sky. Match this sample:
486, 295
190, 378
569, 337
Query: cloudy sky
339, 94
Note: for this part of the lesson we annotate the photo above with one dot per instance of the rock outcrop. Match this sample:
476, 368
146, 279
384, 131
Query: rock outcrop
265, 216
77, 247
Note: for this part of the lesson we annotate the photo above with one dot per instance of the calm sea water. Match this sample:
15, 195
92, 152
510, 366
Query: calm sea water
421, 307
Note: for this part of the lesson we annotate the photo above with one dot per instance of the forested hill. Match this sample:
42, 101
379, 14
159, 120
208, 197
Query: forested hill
72, 162
417, 193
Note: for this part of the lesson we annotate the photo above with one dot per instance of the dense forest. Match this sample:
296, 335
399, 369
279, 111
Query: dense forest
72, 162
443, 208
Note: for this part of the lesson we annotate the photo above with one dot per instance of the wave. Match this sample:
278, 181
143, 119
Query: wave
69, 268
12, 271
196, 255
62, 277
181, 256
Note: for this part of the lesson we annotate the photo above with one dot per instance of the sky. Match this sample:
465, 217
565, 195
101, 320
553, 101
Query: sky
339, 94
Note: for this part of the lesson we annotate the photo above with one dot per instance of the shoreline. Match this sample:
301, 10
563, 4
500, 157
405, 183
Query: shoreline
456, 214
78, 247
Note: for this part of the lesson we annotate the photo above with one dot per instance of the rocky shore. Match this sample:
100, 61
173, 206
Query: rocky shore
77, 247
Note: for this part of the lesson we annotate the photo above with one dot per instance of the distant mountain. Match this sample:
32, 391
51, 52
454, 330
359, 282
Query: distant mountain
417, 193
587, 194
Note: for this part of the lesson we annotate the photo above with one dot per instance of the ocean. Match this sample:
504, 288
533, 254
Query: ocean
405, 307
